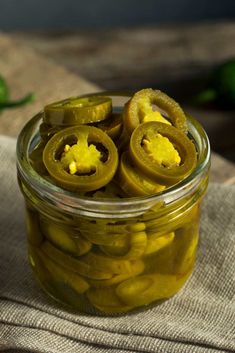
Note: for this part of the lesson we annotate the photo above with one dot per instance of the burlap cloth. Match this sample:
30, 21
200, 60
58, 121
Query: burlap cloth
200, 318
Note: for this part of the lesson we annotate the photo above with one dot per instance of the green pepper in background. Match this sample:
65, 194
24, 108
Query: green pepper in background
4, 97
4, 91
221, 87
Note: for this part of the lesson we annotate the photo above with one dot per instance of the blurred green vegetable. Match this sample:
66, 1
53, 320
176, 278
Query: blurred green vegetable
221, 87
4, 91
4, 97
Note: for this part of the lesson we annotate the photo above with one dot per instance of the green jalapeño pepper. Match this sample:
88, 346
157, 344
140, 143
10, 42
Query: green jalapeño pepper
139, 109
112, 125
81, 158
4, 97
133, 182
162, 152
220, 88
78, 110
4, 91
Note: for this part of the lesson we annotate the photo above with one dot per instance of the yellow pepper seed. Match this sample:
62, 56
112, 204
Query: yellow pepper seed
73, 168
147, 114
66, 148
161, 150
80, 157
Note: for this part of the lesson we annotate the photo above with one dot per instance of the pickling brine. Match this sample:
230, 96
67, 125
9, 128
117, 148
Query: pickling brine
113, 195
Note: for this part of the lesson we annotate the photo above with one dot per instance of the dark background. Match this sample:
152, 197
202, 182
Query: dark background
71, 14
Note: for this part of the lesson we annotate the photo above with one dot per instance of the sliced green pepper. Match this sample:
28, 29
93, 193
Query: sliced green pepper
112, 125
109, 191
106, 300
34, 234
118, 248
104, 263
38, 266
145, 289
63, 238
78, 110
82, 267
156, 243
138, 109
102, 230
133, 247
60, 274
185, 248
81, 158
36, 159
99, 237
137, 267
134, 182
162, 152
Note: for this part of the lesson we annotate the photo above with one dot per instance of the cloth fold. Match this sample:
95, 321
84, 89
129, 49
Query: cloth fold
200, 318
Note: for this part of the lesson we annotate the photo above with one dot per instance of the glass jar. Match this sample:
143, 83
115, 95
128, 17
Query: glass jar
104, 256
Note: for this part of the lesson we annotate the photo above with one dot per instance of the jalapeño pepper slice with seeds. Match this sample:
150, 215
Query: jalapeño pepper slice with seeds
133, 182
139, 110
81, 158
78, 110
162, 152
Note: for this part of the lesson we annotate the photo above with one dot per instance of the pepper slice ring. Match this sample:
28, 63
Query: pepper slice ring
78, 110
158, 172
112, 125
89, 180
163, 101
135, 182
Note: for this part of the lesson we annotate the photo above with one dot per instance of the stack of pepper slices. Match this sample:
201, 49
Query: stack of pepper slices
87, 148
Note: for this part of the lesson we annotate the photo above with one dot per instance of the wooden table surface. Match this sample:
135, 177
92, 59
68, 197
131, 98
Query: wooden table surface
174, 59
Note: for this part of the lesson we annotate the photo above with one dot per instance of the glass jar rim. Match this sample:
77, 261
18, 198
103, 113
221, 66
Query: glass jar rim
77, 204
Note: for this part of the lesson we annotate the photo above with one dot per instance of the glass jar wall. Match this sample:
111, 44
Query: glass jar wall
111, 256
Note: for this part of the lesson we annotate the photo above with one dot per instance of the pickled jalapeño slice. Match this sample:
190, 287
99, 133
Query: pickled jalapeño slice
78, 110
81, 158
162, 152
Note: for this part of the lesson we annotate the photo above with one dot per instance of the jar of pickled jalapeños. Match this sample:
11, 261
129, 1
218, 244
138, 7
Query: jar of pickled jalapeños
112, 193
